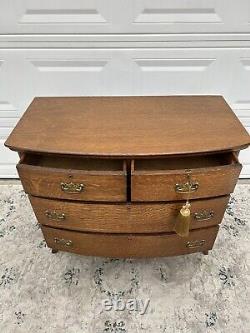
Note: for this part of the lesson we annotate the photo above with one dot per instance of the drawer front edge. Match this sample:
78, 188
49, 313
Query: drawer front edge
130, 246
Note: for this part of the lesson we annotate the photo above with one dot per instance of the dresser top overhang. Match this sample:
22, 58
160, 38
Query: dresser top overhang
127, 127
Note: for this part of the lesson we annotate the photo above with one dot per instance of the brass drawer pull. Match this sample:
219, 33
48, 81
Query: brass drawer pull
63, 242
53, 215
72, 187
186, 187
196, 243
189, 186
204, 215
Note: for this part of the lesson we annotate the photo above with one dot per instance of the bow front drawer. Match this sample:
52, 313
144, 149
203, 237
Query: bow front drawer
125, 218
131, 245
73, 178
183, 178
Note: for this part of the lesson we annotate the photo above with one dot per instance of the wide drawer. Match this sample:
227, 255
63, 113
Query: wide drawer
180, 178
125, 218
121, 245
73, 178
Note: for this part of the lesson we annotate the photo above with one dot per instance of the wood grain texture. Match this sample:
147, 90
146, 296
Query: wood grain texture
122, 150
129, 246
160, 185
45, 182
128, 126
124, 218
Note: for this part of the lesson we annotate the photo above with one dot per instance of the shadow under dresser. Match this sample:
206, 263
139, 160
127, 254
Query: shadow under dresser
108, 176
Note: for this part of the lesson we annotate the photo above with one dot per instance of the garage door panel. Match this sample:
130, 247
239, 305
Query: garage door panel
138, 71
26, 73
124, 16
8, 160
190, 71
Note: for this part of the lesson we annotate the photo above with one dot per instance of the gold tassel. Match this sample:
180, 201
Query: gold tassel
182, 222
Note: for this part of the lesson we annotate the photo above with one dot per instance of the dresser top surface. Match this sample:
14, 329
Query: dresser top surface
128, 126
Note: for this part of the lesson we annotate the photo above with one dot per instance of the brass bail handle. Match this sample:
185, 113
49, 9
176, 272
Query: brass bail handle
189, 186
72, 187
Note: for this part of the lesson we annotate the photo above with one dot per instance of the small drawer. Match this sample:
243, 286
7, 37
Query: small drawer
73, 178
180, 178
125, 218
130, 246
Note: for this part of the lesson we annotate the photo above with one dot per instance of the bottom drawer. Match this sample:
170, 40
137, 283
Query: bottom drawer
131, 245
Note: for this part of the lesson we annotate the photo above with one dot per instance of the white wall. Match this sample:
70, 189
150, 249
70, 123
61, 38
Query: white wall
121, 47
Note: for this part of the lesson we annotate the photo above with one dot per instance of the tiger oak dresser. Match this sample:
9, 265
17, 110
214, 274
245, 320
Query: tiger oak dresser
129, 176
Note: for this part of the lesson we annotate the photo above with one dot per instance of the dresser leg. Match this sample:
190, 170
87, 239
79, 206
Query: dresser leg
205, 253
54, 251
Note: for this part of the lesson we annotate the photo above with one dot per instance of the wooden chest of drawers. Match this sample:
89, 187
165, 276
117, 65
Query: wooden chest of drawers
107, 176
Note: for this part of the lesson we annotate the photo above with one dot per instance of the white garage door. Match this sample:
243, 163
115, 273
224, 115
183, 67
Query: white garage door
121, 47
